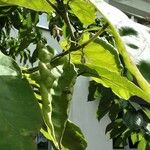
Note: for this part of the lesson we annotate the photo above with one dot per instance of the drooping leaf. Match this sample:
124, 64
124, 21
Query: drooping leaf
73, 138
38, 5
121, 86
84, 10
61, 96
56, 88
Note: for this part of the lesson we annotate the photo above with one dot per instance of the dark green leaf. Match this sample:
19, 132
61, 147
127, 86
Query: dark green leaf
93, 93
144, 67
20, 115
113, 111
117, 130
117, 122
73, 138
105, 101
127, 31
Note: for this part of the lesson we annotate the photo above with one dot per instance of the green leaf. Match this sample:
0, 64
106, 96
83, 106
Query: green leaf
117, 130
114, 124
20, 115
84, 10
120, 85
8, 66
144, 67
99, 53
14, 141
105, 101
142, 144
134, 138
56, 88
73, 138
38, 5
61, 92
127, 31
113, 111
93, 93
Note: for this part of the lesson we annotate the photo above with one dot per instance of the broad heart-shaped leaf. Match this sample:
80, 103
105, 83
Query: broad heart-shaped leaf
8, 66
73, 138
37, 5
20, 115
99, 53
84, 10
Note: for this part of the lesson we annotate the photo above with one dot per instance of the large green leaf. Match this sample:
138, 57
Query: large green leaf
38, 5
120, 85
99, 53
20, 116
84, 10
19, 113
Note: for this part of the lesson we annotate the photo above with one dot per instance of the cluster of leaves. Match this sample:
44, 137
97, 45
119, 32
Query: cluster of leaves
127, 118
96, 50
18, 31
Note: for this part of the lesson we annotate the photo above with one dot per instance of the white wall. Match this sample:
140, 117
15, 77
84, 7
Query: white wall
83, 113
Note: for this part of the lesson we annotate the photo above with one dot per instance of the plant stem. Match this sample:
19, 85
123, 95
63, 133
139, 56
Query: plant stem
64, 15
72, 49
30, 70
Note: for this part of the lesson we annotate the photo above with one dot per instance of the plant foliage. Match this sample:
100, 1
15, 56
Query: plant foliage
37, 81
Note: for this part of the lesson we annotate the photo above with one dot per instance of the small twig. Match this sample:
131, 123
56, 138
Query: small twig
82, 45
30, 70
64, 15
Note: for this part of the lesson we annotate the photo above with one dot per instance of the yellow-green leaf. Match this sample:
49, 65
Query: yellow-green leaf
84, 10
37, 5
